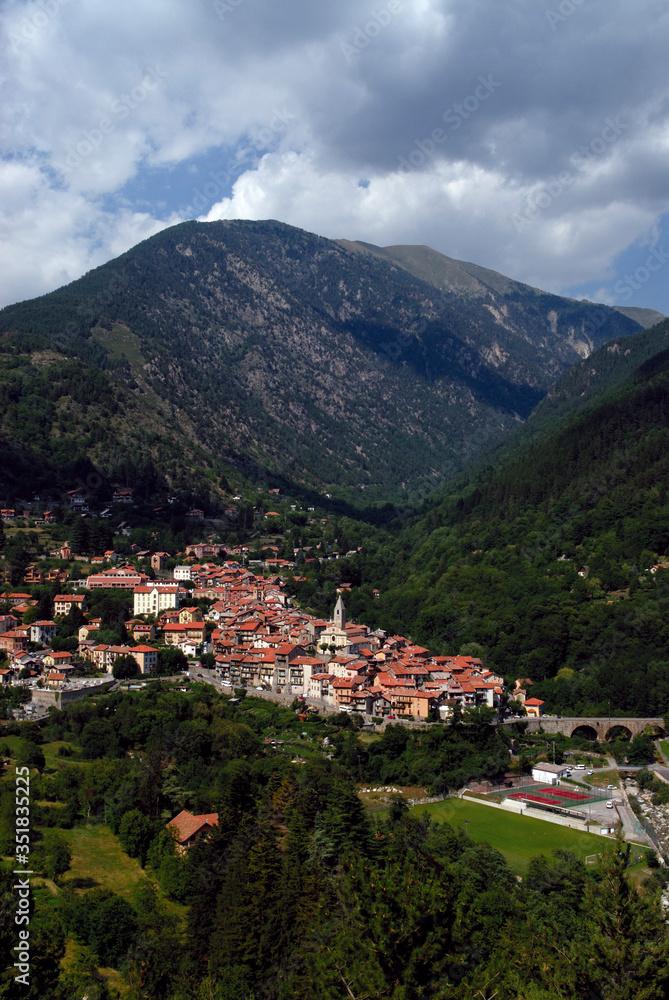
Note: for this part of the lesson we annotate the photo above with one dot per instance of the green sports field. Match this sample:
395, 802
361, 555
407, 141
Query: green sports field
519, 838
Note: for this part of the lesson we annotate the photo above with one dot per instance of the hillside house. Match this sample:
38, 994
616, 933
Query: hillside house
63, 602
188, 828
42, 632
15, 641
181, 632
534, 707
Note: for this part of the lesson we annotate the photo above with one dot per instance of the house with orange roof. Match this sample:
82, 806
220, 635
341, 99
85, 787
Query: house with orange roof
158, 560
343, 691
14, 641
57, 660
179, 633
88, 630
319, 686
8, 622
33, 575
192, 614
42, 632
299, 673
409, 701
146, 656
14, 599
63, 602
534, 707
141, 630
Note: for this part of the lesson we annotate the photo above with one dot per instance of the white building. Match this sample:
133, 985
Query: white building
42, 632
156, 597
182, 573
549, 774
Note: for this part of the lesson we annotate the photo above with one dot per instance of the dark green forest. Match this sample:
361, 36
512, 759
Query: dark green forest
298, 892
544, 565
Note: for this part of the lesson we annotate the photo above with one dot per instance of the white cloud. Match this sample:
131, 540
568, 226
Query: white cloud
96, 95
469, 210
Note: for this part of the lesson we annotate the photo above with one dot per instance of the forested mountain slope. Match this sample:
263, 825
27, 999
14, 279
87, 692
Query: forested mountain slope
547, 563
274, 349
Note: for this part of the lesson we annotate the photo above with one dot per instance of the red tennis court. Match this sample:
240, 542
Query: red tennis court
546, 800
565, 793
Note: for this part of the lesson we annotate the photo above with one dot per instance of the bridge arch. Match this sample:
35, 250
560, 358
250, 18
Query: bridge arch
586, 732
611, 733
656, 729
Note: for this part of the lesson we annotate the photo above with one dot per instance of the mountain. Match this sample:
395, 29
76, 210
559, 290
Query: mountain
447, 273
645, 317
247, 349
553, 563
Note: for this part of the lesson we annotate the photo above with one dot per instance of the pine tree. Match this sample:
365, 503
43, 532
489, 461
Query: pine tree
627, 955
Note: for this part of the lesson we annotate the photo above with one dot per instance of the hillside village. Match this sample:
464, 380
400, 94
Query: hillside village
247, 628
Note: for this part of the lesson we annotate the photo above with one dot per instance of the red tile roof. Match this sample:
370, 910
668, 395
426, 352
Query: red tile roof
187, 825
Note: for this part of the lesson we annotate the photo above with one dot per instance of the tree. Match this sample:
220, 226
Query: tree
626, 952
17, 554
79, 537
82, 978
31, 616
98, 739
171, 661
112, 930
124, 667
58, 854
72, 622
157, 947
641, 749
29, 754
398, 808
136, 831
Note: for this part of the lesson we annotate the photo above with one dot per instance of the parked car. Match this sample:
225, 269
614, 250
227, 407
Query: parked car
609, 805
612, 786
591, 771
390, 716
580, 767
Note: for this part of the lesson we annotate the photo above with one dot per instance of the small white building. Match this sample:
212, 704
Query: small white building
182, 573
550, 774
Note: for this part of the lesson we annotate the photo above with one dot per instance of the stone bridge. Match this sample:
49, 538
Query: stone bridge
591, 729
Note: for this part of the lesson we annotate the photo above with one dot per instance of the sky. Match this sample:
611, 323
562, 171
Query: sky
528, 136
